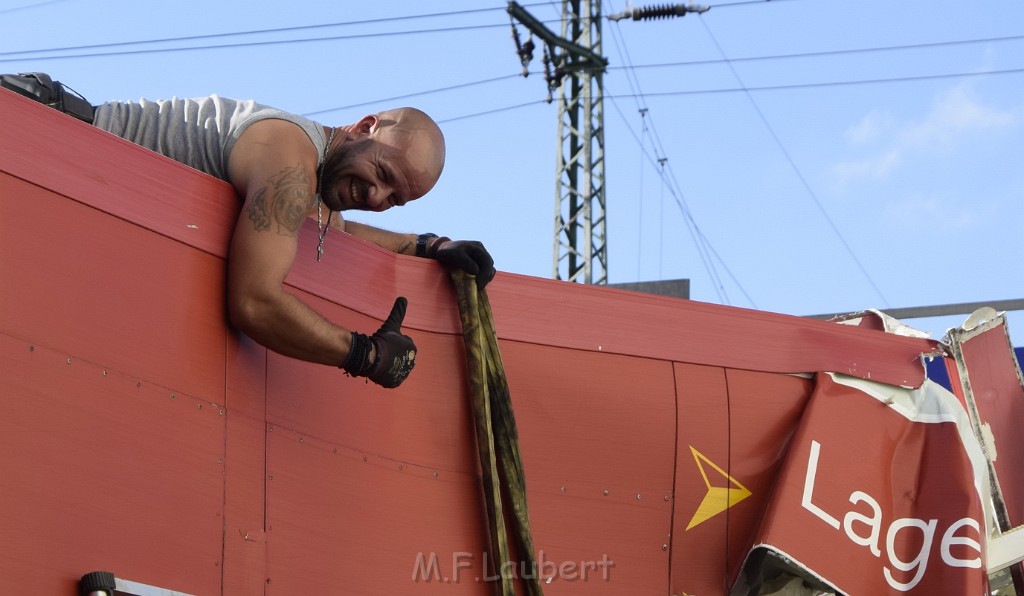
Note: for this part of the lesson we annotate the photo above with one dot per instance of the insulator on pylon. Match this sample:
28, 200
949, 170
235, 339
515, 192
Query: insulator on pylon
659, 12
526, 55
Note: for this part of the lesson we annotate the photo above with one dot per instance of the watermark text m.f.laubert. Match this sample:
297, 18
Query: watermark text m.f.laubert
429, 567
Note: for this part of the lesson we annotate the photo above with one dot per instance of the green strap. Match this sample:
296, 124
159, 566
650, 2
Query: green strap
501, 462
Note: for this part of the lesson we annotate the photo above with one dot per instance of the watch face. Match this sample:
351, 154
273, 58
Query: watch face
421, 244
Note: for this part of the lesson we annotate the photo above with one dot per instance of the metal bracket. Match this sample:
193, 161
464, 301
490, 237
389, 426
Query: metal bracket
586, 59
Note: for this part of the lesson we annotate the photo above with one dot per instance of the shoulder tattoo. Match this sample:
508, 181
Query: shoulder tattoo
283, 203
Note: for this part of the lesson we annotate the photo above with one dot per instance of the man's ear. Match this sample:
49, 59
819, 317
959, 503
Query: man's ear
367, 125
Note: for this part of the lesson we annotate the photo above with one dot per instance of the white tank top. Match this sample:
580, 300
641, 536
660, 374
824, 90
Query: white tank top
198, 132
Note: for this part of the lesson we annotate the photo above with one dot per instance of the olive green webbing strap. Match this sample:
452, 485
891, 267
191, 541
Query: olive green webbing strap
497, 440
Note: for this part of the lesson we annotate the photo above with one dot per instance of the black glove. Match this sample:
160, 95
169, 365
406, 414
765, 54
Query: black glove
396, 353
468, 255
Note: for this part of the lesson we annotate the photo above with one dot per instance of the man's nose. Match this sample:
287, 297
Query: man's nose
380, 196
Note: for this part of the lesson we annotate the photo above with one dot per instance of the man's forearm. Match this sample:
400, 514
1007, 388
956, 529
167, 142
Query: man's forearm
289, 327
403, 244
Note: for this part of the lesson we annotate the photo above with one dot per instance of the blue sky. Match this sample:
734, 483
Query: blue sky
820, 156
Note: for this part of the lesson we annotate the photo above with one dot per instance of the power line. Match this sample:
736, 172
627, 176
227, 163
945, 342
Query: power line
645, 95
688, 219
249, 32
417, 94
705, 249
744, 3
7, 55
30, 6
635, 94
800, 176
244, 44
494, 111
900, 79
916, 46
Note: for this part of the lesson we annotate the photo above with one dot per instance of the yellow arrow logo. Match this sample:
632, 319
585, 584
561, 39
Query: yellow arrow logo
718, 498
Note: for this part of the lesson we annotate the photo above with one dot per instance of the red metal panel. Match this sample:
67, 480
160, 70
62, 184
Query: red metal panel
77, 280
597, 450
877, 502
993, 376
245, 472
537, 310
342, 520
423, 422
200, 211
597, 433
71, 158
117, 260
549, 313
100, 469
734, 429
698, 552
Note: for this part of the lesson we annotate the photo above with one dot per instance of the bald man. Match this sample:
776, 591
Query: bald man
285, 168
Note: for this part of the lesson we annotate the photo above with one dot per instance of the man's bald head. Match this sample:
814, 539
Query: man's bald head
415, 133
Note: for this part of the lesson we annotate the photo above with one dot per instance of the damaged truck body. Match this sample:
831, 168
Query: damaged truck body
669, 446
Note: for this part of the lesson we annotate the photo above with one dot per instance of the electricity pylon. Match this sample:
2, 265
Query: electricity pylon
574, 65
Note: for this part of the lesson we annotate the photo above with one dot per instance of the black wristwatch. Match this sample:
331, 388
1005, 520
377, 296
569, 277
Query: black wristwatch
421, 244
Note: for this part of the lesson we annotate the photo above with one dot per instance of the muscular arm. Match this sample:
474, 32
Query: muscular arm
469, 256
403, 244
273, 168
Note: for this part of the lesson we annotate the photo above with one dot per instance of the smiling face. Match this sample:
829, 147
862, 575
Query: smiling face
385, 161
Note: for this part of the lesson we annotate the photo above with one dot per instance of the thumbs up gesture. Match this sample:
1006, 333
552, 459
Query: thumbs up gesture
393, 354
396, 353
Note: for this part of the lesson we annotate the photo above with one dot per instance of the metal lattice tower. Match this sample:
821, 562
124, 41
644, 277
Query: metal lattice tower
581, 234
575, 67
573, 64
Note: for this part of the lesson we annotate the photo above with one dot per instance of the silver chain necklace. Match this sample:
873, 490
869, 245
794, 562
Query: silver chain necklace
320, 228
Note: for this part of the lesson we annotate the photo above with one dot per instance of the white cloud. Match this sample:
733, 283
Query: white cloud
870, 128
938, 215
873, 168
954, 119
951, 118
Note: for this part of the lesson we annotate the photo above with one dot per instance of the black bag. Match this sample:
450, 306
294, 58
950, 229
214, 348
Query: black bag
40, 87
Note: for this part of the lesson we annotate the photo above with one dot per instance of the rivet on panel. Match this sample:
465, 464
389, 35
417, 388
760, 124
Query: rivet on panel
69, 361
270, 476
222, 412
564, 489
220, 460
31, 348
302, 439
667, 498
104, 373
138, 383
199, 406
335, 450
639, 497
173, 396
435, 474
664, 547
606, 493
401, 467
366, 458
